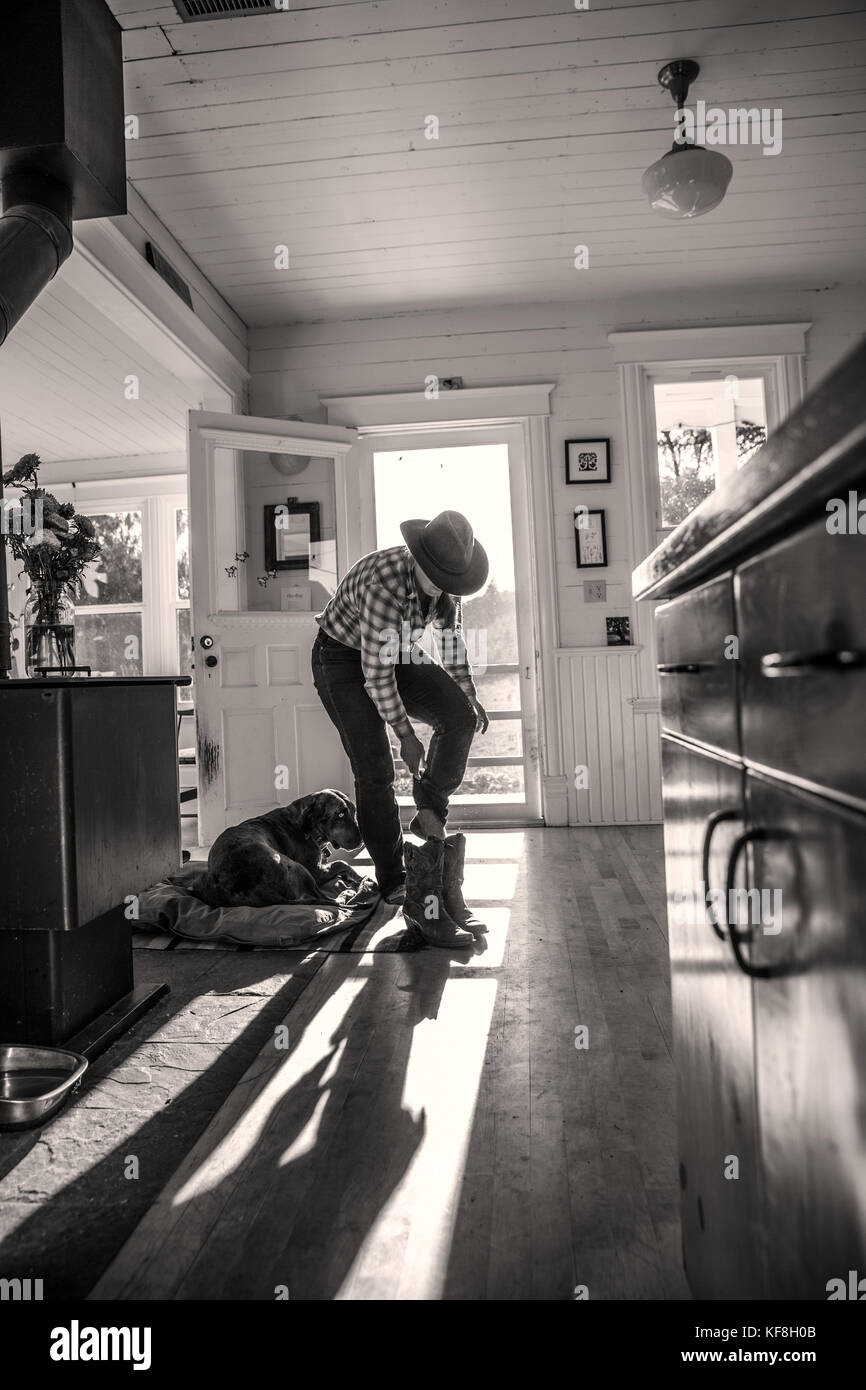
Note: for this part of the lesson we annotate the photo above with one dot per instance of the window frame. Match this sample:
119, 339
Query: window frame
157, 499
661, 373
637, 351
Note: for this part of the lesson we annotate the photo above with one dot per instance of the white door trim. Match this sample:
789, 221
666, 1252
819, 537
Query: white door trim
526, 408
480, 405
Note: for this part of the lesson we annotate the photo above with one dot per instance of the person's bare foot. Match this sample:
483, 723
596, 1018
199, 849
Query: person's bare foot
427, 826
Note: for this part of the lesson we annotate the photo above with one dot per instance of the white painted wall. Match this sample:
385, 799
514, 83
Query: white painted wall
293, 365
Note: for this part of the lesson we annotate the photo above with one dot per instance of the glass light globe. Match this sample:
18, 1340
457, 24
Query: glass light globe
687, 181
290, 465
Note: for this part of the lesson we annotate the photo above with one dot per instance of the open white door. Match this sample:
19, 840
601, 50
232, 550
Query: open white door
271, 532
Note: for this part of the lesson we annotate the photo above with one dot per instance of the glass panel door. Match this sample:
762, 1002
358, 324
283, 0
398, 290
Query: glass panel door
475, 479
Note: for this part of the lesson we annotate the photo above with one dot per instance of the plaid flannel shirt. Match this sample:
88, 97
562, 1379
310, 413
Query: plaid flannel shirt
378, 610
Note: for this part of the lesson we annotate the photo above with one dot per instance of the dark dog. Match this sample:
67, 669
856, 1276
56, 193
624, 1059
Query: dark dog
276, 858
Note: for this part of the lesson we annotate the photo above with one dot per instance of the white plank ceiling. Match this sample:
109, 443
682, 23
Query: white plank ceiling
63, 374
306, 128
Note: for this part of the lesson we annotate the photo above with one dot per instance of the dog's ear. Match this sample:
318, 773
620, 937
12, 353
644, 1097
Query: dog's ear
314, 815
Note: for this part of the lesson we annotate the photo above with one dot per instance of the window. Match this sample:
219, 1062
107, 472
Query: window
706, 428
133, 603
180, 601
108, 634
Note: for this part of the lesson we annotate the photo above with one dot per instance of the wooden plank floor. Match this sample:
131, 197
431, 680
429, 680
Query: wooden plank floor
431, 1131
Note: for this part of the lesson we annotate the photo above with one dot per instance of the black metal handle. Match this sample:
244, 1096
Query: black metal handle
715, 819
679, 668
803, 663
736, 938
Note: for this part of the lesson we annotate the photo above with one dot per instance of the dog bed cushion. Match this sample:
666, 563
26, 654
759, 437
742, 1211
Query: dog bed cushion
173, 906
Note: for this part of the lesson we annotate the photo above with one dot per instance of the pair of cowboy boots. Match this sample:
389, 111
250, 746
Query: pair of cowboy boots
434, 893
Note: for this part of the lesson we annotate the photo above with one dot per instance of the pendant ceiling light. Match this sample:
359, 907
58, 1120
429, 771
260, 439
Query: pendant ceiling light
689, 180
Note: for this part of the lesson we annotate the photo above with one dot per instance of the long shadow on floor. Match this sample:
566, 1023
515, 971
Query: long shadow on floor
305, 1204
69, 1238
335, 1148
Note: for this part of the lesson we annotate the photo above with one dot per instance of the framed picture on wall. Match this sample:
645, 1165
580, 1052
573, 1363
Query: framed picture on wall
587, 460
292, 533
618, 632
590, 538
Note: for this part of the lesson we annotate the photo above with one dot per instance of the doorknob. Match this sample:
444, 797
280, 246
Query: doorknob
210, 661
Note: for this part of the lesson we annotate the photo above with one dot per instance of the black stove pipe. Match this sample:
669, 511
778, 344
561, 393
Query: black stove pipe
35, 240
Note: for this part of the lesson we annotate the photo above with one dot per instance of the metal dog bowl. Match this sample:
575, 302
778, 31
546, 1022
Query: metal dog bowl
34, 1082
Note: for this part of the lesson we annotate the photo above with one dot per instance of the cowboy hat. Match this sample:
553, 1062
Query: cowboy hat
448, 552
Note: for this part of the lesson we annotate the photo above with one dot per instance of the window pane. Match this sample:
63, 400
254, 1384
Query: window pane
492, 783
182, 551
490, 624
500, 691
705, 431
115, 577
109, 643
486, 783
184, 654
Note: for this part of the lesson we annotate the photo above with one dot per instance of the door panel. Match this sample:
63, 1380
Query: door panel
480, 471
810, 1026
263, 737
712, 1012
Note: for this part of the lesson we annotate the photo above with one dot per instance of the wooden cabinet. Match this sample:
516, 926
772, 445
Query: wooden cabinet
89, 790
770, 1000
713, 1025
697, 674
810, 1037
803, 659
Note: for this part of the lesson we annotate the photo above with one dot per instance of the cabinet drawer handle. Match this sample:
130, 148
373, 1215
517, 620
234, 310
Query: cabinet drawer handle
758, 972
802, 663
712, 821
679, 668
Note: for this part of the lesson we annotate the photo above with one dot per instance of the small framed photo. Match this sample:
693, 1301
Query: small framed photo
292, 533
618, 632
590, 538
587, 460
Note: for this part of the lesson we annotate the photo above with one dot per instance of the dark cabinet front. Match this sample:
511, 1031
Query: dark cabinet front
765, 811
810, 1036
89, 787
713, 1022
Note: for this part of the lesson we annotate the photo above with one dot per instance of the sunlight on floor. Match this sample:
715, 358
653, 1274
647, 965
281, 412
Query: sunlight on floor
405, 1253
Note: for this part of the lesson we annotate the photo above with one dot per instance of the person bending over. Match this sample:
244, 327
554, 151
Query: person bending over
369, 672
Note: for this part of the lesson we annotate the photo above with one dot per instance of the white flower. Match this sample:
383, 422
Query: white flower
42, 539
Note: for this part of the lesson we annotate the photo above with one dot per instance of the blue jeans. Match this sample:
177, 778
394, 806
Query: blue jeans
429, 694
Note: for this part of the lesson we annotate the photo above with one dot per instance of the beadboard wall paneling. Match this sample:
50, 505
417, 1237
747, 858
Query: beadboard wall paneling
612, 740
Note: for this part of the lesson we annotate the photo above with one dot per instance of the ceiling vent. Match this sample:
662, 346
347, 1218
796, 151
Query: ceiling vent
191, 10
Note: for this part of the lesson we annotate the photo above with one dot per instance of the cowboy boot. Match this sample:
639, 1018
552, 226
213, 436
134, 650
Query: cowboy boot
423, 907
452, 886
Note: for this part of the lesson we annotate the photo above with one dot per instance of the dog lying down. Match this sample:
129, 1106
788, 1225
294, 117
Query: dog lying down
276, 858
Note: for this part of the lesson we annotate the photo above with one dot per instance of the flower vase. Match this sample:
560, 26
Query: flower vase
49, 630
